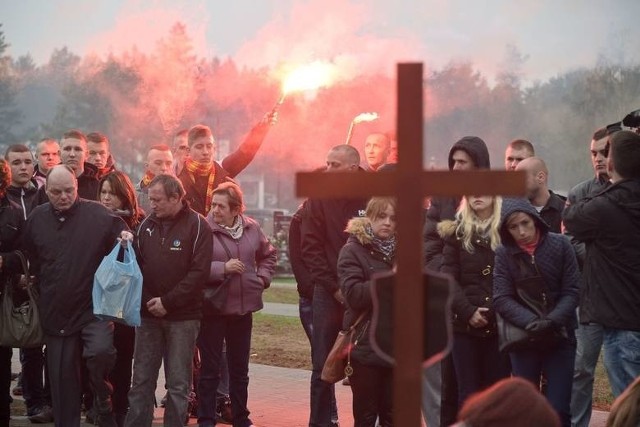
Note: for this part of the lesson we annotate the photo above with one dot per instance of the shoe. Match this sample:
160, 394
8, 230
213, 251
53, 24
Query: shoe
91, 417
42, 416
163, 401
106, 420
14, 375
17, 390
224, 415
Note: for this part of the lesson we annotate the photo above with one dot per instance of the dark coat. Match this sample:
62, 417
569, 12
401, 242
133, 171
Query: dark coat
196, 187
443, 208
174, 256
323, 236
551, 212
11, 223
553, 259
65, 250
358, 261
298, 266
26, 198
609, 226
473, 273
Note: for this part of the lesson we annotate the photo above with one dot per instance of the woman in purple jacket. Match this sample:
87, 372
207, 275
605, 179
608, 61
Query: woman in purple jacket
243, 255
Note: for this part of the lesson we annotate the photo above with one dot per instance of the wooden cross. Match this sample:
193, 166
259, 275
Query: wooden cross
410, 184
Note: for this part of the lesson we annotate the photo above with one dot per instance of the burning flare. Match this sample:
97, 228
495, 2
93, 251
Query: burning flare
307, 77
362, 117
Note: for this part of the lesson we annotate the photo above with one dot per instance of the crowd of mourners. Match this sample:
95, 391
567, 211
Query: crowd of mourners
565, 271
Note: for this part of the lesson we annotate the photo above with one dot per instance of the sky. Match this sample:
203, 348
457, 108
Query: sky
551, 37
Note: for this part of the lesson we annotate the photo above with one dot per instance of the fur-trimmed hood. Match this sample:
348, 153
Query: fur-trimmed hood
447, 228
357, 228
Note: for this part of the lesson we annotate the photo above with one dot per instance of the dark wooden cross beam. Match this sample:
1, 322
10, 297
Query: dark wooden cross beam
409, 183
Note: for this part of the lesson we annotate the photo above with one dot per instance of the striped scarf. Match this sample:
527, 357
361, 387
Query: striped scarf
198, 169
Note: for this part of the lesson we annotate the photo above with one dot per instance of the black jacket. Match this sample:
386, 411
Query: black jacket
551, 213
26, 198
196, 187
445, 207
323, 236
11, 223
175, 257
473, 273
609, 225
298, 265
88, 185
358, 261
65, 250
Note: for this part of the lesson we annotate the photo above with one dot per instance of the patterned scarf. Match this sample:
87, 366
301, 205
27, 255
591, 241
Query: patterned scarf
146, 179
198, 169
385, 246
236, 229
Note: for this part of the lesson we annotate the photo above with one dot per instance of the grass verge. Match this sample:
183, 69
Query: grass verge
279, 341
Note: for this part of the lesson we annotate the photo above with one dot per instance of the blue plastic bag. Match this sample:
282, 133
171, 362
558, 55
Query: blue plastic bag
117, 288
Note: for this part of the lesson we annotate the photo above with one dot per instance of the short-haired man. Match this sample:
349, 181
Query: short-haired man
159, 162
47, 155
548, 204
73, 152
322, 238
173, 248
180, 150
517, 151
65, 277
589, 334
376, 151
609, 225
439, 391
99, 153
23, 194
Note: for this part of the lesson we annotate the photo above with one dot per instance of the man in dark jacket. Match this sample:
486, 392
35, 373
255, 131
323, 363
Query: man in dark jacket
74, 151
548, 204
323, 236
66, 240
47, 155
609, 225
99, 154
589, 334
173, 248
440, 402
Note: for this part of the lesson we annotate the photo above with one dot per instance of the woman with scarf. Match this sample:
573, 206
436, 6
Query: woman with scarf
370, 248
116, 192
536, 266
243, 257
468, 255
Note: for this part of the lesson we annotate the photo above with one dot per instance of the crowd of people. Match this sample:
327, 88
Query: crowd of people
67, 206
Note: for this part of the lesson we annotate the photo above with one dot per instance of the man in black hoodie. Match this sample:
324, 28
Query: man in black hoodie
609, 225
440, 404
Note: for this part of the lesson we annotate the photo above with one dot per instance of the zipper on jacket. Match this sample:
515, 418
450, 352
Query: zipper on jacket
24, 208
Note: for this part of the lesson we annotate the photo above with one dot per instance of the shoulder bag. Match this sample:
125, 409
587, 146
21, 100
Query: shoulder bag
215, 294
21, 327
336, 366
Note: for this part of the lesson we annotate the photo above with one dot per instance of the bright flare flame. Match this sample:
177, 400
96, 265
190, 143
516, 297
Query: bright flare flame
309, 77
365, 117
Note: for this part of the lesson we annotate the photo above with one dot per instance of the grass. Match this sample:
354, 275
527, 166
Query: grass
602, 397
281, 294
279, 341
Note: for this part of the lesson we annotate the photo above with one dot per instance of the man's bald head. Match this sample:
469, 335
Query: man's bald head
537, 176
343, 158
61, 187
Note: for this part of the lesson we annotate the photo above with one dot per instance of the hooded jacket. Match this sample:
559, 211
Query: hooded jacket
358, 261
174, 255
473, 273
259, 258
445, 207
553, 259
26, 198
609, 225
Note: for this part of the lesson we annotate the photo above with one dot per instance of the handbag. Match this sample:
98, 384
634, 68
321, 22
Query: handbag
531, 292
21, 325
215, 294
336, 366
117, 287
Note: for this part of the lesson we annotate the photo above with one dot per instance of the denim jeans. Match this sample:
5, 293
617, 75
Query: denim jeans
478, 363
557, 365
235, 331
327, 322
589, 341
154, 338
621, 358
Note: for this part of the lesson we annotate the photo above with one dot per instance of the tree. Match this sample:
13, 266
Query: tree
9, 114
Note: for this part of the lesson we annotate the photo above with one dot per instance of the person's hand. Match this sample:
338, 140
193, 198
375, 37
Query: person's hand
539, 326
155, 307
234, 265
338, 295
477, 319
125, 238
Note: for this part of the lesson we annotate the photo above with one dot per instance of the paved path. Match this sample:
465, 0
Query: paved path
278, 397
